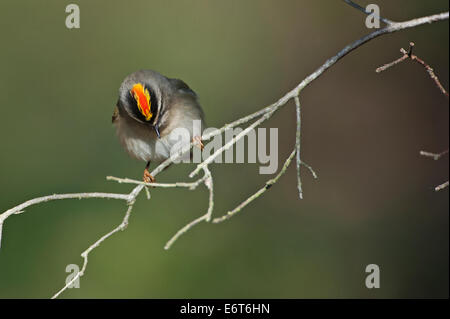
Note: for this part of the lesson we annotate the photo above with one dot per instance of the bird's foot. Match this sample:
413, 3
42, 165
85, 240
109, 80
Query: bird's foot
197, 140
148, 178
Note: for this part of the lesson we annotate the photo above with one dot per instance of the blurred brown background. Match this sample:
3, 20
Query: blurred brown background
373, 202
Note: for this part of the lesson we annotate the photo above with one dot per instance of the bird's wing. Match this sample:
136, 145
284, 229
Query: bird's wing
182, 86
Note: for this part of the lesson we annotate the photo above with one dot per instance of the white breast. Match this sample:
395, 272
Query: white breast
141, 142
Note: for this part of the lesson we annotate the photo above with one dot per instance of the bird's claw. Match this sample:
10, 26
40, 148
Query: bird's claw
197, 140
148, 178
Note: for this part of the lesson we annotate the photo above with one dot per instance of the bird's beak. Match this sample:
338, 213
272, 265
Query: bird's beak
157, 130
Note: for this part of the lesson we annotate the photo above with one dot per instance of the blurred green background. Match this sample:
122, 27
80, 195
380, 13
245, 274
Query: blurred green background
362, 132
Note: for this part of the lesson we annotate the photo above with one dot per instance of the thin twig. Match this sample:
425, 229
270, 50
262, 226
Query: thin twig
190, 185
268, 185
442, 186
391, 64
313, 173
208, 181
434, 156
147, 192
297, 146
430, 71
408, 55
21, 208
86, 253
261, 191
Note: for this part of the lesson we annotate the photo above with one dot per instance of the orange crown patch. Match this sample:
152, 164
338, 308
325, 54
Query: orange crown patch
142, 97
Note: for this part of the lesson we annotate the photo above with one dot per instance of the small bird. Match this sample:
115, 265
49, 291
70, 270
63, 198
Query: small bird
149, 108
